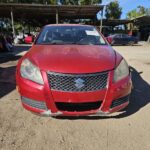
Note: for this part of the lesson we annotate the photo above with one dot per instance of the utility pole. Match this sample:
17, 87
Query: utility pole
57, 17
12, 23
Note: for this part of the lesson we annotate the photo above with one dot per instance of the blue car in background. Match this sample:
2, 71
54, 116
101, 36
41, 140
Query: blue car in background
122, 39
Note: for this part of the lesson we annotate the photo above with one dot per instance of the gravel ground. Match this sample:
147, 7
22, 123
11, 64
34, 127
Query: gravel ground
128, 130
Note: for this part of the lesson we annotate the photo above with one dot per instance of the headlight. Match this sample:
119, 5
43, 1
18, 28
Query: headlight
121, 71
31, 72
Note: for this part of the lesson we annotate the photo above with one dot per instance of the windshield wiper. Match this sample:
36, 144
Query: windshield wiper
51, 43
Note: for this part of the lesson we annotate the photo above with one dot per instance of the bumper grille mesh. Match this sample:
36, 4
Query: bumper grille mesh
34, 103
119, 101
77, 82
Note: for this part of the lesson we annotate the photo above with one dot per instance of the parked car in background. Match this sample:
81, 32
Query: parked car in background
28, 39
122, 39
71, 70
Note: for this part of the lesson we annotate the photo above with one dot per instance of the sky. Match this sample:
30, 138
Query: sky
128, 5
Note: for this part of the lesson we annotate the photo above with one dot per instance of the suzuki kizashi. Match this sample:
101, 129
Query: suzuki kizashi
72, 70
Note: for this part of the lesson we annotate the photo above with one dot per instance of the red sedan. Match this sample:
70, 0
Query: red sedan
28, 39
72, 70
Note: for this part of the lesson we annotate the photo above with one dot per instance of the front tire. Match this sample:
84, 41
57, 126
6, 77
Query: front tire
131, 43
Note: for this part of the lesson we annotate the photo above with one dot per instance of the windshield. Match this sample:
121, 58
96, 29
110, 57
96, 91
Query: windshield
80, 35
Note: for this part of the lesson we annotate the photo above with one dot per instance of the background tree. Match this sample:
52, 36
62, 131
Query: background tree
113, 10
90, 2
148, 11
70, 2
139, 11
54, 2
80, 2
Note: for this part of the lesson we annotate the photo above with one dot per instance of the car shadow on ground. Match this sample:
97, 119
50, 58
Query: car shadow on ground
8, 61
21, 48
7, 80
13, 55
139, 98
9, 57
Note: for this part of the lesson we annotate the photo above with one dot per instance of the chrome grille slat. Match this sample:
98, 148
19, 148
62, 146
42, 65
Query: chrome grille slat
66, 82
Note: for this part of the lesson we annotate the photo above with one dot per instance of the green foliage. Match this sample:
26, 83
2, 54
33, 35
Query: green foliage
18, 26
30, 1
148, 11
54, 2
113, 10
79, 2
89, 2
140, 11
70, 2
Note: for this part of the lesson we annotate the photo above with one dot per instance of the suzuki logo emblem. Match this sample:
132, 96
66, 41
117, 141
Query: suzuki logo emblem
79, 83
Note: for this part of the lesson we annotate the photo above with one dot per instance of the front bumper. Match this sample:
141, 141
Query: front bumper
39, 99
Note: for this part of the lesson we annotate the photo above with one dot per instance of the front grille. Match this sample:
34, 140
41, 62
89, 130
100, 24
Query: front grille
78, 107
34, 103
119, 101
77, 82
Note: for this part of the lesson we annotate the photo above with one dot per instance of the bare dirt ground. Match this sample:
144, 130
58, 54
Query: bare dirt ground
130, 130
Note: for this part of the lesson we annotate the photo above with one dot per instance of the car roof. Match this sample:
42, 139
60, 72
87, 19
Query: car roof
118, 34
69, 25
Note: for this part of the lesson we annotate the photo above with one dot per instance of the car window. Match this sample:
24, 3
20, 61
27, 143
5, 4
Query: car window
81, 35
125, 36
118, 36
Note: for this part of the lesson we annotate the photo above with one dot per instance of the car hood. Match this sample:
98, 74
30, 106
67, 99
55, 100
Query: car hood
72, 58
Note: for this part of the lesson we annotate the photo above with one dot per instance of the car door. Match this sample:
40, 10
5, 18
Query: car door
128, 39
117, 39
124, 38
